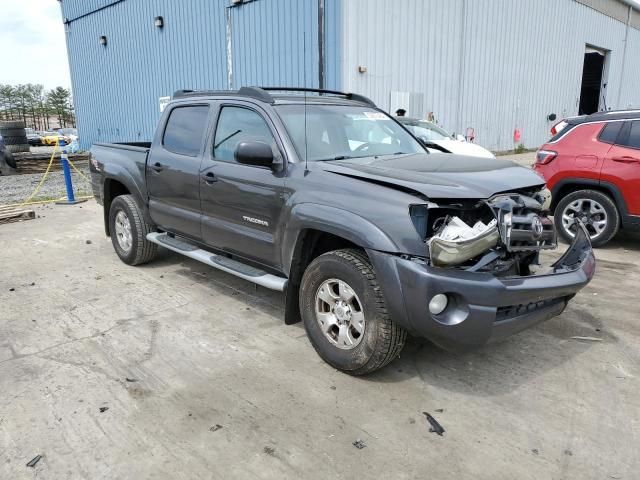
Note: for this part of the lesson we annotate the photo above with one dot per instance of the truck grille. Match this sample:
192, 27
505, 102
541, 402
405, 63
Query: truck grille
530, 232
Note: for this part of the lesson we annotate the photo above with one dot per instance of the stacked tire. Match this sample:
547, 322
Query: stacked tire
14, 135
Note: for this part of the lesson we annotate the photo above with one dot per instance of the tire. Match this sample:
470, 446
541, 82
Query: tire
9, 160
601, 213
11, 124
15, 140
381, 339
18, 148
13, 132
140, 250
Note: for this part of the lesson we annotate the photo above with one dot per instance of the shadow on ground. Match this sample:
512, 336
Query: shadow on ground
495, 369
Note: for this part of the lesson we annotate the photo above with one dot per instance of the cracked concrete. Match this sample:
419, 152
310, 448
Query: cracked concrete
175, 348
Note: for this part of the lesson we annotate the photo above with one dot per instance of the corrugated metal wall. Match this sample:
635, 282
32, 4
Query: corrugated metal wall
493, 65
117, 88
273, 39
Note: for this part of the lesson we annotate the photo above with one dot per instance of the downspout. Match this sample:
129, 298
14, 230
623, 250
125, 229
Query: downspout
321, 43
463, 25
624, 56
227, 13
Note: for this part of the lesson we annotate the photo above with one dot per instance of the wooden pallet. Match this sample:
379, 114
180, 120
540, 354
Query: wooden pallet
15, 214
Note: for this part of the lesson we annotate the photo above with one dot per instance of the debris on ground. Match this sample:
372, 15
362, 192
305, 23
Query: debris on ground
359, 444
587, 339
269, 450
215, 428
435, 426
103, 409
12, 289
131, 380
534, 451
88, 242
33, 461
439, 410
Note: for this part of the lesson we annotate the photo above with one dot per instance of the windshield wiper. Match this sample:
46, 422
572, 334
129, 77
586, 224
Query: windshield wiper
339, 157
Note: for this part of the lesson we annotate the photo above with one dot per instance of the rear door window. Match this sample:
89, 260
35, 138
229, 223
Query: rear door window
610, 132
633, 140
185, 130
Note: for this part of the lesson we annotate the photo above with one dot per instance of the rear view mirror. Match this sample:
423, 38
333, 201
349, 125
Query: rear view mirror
256, 153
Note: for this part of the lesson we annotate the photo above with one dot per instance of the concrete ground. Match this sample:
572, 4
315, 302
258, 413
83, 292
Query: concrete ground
175, 349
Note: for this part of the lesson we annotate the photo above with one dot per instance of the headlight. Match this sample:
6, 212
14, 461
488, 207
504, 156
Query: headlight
544, 196
454, 252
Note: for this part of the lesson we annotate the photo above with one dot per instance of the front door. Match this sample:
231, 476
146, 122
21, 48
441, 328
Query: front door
622, 165
241, 204
173, 169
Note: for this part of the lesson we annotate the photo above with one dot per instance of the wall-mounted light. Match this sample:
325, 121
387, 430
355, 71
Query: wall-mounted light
103, 40
362, 69
158, 22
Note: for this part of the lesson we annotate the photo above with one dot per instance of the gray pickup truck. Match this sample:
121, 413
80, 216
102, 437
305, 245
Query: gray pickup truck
322, 195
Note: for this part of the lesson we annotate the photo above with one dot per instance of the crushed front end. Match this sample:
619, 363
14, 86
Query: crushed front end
481, 278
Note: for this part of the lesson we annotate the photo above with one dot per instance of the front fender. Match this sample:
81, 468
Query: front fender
335, 221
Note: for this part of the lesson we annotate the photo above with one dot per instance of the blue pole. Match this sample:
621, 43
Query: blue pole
64, 160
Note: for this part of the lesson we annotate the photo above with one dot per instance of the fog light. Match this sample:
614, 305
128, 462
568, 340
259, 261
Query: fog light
438, 303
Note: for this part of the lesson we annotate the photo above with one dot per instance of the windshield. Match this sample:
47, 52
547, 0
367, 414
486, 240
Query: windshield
336, 132
426, 130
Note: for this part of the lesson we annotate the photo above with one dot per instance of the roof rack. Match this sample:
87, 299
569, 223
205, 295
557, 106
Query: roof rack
262, 93
350, 96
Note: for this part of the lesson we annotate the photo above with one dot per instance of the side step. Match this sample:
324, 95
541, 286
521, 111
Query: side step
247, 272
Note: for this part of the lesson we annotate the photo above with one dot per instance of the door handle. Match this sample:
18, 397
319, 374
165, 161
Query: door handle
626, 159
209, 177
157, 167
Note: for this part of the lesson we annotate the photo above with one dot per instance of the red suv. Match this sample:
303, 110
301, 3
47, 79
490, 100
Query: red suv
592, 167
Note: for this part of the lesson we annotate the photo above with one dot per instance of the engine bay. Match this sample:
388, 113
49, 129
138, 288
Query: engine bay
502, 235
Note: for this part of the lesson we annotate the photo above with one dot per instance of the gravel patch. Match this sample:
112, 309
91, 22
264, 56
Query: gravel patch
17, 188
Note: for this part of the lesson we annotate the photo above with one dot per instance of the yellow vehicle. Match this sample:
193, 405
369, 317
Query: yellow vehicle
53, 138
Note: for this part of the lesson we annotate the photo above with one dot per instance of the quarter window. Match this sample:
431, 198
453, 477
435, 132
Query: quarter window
185, 130
610, 132
236, 125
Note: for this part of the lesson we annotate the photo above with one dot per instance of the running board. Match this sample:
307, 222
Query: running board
229, 265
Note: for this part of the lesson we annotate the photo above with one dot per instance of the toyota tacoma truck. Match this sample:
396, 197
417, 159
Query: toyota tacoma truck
322, 195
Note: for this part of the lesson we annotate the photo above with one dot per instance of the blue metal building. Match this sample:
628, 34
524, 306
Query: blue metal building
494, 66
126, 55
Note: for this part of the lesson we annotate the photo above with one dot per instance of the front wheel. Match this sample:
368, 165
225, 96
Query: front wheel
344, 313
129, 231
595, 209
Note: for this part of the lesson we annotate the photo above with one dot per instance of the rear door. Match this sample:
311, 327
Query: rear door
173, 169
622, 165
241, 204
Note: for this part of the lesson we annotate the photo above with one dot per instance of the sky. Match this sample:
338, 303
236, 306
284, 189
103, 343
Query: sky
32, 42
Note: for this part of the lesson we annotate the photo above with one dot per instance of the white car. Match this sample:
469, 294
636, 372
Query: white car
430, 133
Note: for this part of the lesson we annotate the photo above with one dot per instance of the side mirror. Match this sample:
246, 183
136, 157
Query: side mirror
258, 154
460, 138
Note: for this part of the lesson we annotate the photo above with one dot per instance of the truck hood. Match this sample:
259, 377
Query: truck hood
439, 175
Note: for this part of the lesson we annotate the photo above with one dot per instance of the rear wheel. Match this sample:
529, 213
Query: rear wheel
129, 231
595, 209
344, 313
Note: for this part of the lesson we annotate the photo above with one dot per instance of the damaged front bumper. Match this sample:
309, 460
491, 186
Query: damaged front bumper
481, 307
